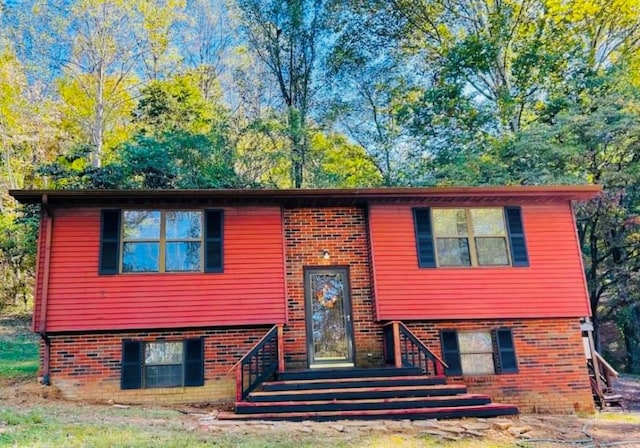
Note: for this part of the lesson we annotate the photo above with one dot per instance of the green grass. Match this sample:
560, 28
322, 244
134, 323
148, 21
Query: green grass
622, 417
18, 353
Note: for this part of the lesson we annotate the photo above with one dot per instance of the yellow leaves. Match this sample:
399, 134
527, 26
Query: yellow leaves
79, 105
619, 11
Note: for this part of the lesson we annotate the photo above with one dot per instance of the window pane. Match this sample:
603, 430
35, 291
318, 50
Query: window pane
163, 376
477, 364
492, 251
487, 221
140, 257
475, 342
141, 225
453, 252
183, 225
183, 256
449, 222
163, 353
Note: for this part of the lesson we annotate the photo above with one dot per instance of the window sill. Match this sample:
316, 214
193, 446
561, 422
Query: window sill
159, 391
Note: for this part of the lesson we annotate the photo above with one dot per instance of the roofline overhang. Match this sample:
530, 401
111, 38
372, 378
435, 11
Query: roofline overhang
301, 197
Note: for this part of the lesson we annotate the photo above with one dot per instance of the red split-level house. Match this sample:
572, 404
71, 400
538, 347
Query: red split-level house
264, 296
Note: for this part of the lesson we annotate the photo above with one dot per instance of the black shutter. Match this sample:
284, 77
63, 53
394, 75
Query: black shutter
516, 236
451, 352
194, 362
504, 351
213, 223
131, 368
109, 242
424, 237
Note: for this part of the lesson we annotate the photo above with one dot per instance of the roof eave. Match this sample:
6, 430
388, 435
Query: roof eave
440, 194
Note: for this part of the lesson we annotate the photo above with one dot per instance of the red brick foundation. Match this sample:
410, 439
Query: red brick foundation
552, 374
87, 366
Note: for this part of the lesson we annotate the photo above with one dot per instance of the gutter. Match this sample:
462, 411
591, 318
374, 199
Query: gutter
42, 327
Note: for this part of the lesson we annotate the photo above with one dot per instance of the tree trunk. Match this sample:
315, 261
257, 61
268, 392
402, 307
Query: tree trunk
97, 132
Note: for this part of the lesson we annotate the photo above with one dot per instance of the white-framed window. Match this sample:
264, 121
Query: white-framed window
479, 352
476, 352
162, 241
470, 237
163, 364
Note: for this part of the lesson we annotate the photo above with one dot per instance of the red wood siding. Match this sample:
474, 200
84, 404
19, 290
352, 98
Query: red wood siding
552, 286
249, 291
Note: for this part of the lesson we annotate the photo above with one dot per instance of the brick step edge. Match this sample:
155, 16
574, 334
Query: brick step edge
349, 382
358, 393
347, 372
361, 405
488, 410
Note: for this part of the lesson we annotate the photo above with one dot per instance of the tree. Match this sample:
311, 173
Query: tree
337, 163
92, 44
287, 36
157, 37
597, 141
205, 38
27, 135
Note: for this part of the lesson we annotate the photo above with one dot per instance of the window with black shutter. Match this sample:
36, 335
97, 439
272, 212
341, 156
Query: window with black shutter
505, 353
194, 362
451, 352
109, 242
424, 237
131, 369
517, 241
147, 241
459, 237
162, 364
213, 241
478, 352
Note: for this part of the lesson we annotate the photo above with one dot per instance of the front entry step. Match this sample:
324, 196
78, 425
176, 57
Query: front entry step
357, 393
347, 372
338, 383
337, 394
486, 410
248, 407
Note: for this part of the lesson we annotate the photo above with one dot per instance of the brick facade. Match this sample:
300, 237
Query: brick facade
552, 374
87, 366
343, 232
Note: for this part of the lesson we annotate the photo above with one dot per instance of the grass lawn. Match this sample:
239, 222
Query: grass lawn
106, 427
18, 349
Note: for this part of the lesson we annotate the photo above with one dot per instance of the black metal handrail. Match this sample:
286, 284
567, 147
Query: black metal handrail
400, 342
258, 365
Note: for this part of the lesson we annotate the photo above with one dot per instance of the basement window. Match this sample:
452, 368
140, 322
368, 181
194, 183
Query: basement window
163, 364
479, 352
159, 364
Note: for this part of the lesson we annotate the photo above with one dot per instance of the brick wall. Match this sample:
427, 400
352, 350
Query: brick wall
552, 375
343, 232
87, 366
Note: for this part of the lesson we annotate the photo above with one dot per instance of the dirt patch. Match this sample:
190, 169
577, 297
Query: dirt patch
544, 431
629, 388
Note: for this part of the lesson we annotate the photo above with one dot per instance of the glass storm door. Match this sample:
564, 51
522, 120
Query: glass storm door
328, 311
